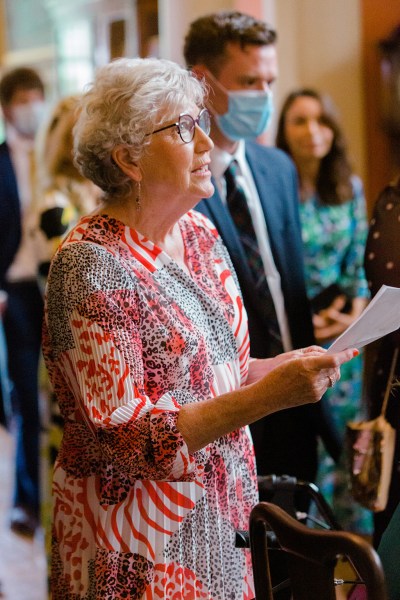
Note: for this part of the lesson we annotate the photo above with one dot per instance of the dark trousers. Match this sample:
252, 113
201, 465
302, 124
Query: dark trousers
22, 326
5, 400
285, 443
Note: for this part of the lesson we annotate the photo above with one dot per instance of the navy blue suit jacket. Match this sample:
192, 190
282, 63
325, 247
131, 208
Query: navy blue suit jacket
286, 441
10, 217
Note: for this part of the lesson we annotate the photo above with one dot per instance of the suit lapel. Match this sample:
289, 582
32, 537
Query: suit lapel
216, 210
10, 217
271, 200
11, 199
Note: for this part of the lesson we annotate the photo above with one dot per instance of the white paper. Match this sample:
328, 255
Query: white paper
380, 317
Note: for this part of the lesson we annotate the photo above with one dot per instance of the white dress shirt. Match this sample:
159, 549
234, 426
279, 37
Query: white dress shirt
220, 161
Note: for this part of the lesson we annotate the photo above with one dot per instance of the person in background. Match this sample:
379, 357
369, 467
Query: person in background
382, 266
147, 347
5, 396
255, 209
334, 229
63, 196
23, 107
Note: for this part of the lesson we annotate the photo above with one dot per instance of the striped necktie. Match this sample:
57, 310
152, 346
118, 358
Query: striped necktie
239, 210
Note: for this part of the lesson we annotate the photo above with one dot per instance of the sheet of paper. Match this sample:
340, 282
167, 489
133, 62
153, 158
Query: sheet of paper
381, 316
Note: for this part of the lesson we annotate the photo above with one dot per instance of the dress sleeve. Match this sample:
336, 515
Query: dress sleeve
93, 341
353, 276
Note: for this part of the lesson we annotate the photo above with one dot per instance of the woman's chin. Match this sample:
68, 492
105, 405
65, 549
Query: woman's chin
209, 190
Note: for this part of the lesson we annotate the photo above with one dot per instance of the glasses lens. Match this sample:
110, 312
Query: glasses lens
204, 121
187, 125
186, 128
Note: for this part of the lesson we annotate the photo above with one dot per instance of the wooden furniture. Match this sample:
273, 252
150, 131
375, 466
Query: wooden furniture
311, 556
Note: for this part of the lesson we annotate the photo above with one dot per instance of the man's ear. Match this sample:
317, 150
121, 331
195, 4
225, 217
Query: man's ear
199, 71
7, 112
217, 100
123, 159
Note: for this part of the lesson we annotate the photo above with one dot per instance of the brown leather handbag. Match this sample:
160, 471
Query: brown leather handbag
370, 451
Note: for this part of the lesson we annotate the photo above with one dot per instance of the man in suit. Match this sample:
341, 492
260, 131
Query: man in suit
22, 103
236, 56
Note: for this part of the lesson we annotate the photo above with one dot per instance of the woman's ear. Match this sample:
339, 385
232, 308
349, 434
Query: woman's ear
121, 156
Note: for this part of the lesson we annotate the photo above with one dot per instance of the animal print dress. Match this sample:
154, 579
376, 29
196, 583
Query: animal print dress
130, 338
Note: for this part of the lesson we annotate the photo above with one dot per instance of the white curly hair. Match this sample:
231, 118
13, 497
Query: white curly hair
128, 99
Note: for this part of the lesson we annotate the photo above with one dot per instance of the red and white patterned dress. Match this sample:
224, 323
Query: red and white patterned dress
129, 338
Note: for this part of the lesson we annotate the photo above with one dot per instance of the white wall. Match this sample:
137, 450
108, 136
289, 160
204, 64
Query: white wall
174, 19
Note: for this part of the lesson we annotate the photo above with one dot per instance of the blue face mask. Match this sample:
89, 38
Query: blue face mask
249, 114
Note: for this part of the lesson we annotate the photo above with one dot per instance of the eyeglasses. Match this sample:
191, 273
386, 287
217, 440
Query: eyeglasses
186, 125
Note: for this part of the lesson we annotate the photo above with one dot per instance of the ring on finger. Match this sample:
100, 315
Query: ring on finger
332, 381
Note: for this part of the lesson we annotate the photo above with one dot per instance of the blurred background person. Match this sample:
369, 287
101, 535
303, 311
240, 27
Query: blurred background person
5, 399
382, 266
23, 106
334, 229
255, 209
62, 196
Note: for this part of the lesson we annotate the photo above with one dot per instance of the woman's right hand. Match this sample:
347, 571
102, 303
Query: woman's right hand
303, 378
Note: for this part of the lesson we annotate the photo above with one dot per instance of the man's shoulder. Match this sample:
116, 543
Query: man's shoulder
5, 156
268, 155
6, 166
272, 170
4, 148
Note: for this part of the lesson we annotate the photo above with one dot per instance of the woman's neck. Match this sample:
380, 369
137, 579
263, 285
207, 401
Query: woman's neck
163, 232
151, 224
308, 175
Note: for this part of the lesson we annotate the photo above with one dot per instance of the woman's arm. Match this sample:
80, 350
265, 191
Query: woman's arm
93, 317
301, 379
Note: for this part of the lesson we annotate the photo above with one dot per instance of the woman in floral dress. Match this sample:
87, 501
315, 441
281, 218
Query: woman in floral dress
147, 347
334, 229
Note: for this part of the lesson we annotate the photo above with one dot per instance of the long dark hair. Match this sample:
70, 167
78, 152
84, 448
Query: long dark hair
333, 183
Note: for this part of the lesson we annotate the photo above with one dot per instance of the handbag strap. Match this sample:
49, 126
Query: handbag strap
390, 381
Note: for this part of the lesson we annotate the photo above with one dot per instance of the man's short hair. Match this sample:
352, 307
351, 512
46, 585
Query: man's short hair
206, 40
21, 78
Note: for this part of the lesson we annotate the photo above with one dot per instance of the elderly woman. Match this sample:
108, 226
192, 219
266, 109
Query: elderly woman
147, 347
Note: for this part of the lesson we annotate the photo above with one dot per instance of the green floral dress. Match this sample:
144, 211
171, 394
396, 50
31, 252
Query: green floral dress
334, 239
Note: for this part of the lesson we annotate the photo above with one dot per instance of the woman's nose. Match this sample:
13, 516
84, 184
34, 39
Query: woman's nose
312, 126
202, 139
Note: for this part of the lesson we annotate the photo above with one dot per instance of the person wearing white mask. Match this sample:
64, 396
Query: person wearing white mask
255, 210
23, 107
